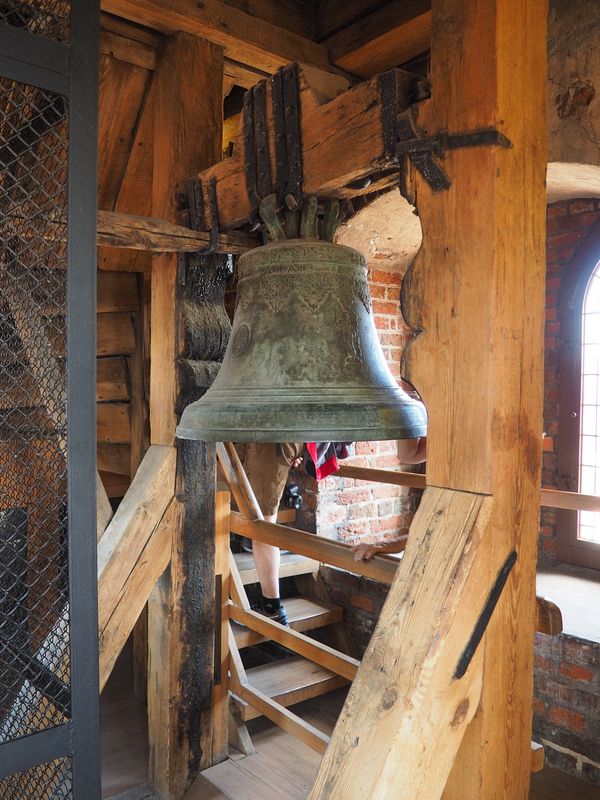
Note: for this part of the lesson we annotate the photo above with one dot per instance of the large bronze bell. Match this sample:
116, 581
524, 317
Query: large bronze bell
303, 362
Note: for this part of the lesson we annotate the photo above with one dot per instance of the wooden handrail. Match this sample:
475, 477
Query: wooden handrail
551, 498
380, 567
320, 653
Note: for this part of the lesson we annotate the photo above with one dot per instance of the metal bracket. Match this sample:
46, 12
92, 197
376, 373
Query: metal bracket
422, 149
257, 165
285, 99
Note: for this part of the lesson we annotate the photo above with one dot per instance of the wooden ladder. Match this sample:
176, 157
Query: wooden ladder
315, 669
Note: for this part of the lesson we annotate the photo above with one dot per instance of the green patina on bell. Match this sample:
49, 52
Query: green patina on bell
303, 362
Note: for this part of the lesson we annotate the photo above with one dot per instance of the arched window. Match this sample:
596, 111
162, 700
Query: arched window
579, 397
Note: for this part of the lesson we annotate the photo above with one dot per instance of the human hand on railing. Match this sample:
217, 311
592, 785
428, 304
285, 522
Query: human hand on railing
364, 552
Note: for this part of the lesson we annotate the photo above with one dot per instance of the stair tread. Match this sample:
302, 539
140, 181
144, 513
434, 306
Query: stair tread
289, 681
291, 564
304, 614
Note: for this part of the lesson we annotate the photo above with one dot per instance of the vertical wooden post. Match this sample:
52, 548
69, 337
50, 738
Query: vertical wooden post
187, 138
477, 292
221, 690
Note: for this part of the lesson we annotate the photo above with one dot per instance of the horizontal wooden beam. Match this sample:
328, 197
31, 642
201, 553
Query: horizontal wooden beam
388, 37
244, 37
345, 143
159, 236
551, 498
318, 652
548, 617
338, 554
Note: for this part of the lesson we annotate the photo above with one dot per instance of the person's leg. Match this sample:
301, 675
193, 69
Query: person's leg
267, 559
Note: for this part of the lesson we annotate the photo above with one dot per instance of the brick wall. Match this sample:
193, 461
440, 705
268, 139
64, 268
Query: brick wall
569, 223
353, 510
566, 706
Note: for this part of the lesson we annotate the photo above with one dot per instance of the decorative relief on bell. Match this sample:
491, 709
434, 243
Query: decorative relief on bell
304, 362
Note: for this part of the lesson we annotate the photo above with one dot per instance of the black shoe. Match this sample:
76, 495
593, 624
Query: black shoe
276, 613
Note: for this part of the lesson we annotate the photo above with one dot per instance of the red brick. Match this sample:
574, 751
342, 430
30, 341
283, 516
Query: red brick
383, 323
333, 513
354, 529
384, 307
567, 718
393, 293
542, 663
558, 209
363, 510
538, 707
382, 462
576, 673
366, 448
577, 206
378, 291
392, 523
390, 278
350, 496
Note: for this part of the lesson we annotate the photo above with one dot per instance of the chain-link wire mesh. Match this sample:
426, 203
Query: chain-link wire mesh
51, 781
34, 621
49, 18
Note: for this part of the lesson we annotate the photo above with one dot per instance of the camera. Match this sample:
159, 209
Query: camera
292, 497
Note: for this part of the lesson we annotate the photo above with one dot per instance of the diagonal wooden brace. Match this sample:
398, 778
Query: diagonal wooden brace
407, 711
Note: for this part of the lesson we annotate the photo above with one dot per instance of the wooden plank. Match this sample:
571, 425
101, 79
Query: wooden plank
114, 335
114, 458
537, 757
408, 691
244, 37
291, 565
333, 15
122, 86
116, 485
187, 137
237, 480
343, 143
116, 291
236, 586
412, 479
111, 379
220, 739
553, 498
123, 49
104, 512
321, 654
387, 37
158, 236
479, 356
242, 74
131, 527
112, 423
286, 683
151, 563
304, 614
290, 722
548, 617
338, 554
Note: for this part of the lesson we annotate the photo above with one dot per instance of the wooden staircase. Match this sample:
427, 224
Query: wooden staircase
287, 681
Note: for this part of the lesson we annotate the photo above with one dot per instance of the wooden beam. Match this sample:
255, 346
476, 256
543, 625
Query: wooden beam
138, 515
220, 737
151, 563
321, 654
387, 37
281, 716
548, 617
338, 554
344, 142
479, 356
244, 37
188, 103
158, 236
414, 689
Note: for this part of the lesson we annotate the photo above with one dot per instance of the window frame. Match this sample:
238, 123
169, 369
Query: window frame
572, 293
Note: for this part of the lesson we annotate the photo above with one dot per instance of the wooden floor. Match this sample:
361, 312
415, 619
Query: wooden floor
282, 768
